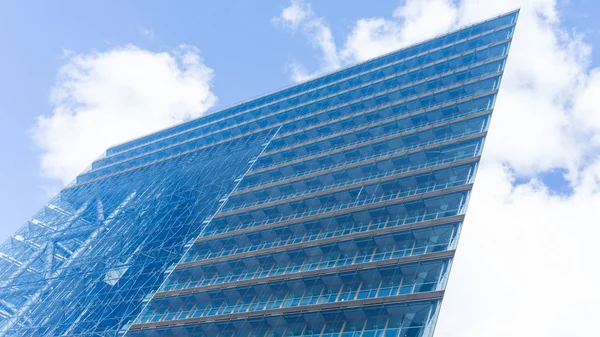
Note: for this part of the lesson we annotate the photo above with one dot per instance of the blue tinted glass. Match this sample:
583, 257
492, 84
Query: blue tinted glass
329, 208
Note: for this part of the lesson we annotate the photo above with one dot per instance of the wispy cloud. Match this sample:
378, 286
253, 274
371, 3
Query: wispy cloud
293, 15
300, 16
146, 32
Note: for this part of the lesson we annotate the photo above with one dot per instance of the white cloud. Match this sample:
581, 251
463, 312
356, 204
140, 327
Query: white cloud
146, 32
585, 109
322, 38
413, 22
104, 98
527, 260
534, 129
293, 15
297, 71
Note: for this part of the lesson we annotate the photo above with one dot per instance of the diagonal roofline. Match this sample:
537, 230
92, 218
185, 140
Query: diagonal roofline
325, 74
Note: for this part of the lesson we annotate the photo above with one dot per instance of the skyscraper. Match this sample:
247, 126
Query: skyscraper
330, 208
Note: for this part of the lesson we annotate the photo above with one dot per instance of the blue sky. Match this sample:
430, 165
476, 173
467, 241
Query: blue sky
540, 177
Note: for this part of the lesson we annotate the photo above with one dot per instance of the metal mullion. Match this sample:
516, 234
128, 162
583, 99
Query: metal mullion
391, 253
318, 263
212, 278
355, 257
405, 217
301, 297
358, 289
283, 300
189, 311
207, 308
385, 225
412, 249
387, 322
233, 307
301, 266
376, 248
400, 285
322, 330
379, 287
362, 331
267, 301
343, 327
322, 291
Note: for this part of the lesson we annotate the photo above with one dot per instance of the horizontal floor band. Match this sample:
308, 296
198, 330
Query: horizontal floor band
352, 164
307, 195
357, 208
425, 296
273, 225
334, 239
359, 266
378, 178
362, 127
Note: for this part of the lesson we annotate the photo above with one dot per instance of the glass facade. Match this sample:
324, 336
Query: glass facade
330, 208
